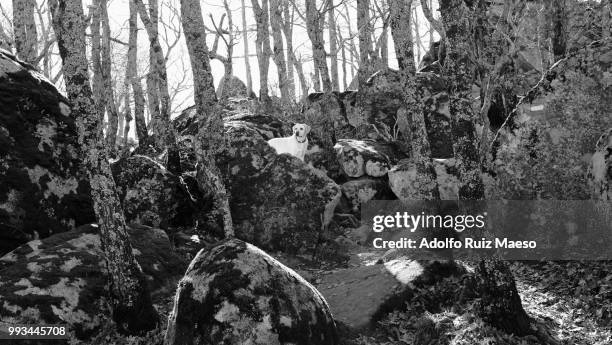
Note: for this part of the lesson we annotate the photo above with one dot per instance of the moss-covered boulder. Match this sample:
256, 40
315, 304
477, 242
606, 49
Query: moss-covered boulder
237, 294
231, 86
286, 206
62, 279
277, 201
151, 195
42, 189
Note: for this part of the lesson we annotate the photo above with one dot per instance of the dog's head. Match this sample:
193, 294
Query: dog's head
300, 130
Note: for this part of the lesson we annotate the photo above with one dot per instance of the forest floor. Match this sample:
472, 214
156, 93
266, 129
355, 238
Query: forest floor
569, 301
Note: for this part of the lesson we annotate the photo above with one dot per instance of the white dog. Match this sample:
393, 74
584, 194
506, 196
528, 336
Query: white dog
294, 145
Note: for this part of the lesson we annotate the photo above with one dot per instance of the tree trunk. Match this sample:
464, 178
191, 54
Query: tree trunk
427, 186
262, 46
333, 46
157, 89
109, 94
365, 41
287, 26
344, 61
210, 139
556, 9
24, 30
500, 304
228, 64
314, 27
133, 311
606, 19
132, 70
460, 69
98, 81
245, 38
279, 53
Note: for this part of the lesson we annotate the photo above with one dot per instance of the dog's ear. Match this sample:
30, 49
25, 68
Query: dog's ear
307, 129
295, 128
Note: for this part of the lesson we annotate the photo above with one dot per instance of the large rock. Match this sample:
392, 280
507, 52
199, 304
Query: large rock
237, 294
287, 206
62, 279
151, 195
403, 179
277, 201
600, 171
366, 157
42, 189
231, 86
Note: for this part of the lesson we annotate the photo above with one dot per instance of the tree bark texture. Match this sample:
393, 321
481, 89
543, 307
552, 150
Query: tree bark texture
427, 186
333, 46
245, 38
133, 311
157, 88
314, 27
132, 69
24, 30
279, 50
365, 41
287, 26
210, 139
460, 70
500, 304
262, 46
109, 94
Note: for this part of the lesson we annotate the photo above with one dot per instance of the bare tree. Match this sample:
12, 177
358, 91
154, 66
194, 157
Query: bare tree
292, 60
333, 45
133, 311
344, 60
412, 98
500, 304
25, 33
109, 94
210, 139
276, 19
132, 76
262, 45
157, 87
245, 42
314, 26
365, 41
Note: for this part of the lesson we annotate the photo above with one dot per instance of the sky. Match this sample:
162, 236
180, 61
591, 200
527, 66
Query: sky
179, 74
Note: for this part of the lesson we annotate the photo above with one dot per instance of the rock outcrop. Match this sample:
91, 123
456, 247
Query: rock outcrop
62, 279
236, 294
364, 189
374, 112
277, 201
42, 189
366, 157
403, 176
151, 195
231, 86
